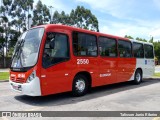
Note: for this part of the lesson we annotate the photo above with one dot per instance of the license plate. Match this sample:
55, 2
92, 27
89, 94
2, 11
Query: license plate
17, 87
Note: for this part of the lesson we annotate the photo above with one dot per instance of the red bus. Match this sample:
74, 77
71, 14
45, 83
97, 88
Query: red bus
51, 59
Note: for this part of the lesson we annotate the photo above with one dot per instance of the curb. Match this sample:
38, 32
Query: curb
4, 81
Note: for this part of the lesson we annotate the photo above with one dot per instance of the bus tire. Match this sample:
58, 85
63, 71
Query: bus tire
80, 85
137, 77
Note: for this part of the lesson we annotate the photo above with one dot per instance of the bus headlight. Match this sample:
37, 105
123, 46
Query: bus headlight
31, 77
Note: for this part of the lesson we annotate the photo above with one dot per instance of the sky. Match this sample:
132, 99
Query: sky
137, 18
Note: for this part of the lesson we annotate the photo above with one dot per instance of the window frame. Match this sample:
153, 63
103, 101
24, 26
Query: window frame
84, 55
131, 48
143, 50
110, 39
68, 46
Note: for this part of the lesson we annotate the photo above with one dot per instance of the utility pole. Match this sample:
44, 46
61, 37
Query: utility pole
51, 12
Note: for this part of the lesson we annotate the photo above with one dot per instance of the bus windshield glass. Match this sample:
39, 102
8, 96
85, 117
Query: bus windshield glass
27, 48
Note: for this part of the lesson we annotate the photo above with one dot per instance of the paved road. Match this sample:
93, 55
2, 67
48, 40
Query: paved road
117, 97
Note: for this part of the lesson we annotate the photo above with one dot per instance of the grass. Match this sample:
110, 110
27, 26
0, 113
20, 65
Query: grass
4, 75
156, 75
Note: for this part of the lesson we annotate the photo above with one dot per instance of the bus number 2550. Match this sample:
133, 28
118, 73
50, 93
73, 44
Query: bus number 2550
82, 61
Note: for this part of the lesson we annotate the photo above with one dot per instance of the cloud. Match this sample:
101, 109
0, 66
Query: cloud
122, 29
126, 9
116, 8
59, 5
134, 30
132, 17
155, 33
119, 17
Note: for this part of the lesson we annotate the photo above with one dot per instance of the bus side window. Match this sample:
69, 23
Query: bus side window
56, 49
84, 44
138, 50
107, 47
148, 51
125, 48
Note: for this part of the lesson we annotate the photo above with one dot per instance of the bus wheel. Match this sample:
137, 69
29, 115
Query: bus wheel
80, 85
137, 77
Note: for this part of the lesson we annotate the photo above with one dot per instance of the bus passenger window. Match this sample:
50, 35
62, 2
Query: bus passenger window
56, 49
124, 48
107, 47
148, 51
84, 44
138, 50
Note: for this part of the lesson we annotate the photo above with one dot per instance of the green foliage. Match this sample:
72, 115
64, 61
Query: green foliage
10, 52
20, 11
1, 29
140, 39
4, 9
7, 34
41, 14
4, 23
13, 36
80, 17
56, 17
83, 18
157, 49
151, 40
127, 36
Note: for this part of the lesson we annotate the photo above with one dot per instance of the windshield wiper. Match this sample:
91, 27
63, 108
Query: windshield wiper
18, 50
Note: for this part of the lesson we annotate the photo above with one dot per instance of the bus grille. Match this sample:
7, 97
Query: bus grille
17, 80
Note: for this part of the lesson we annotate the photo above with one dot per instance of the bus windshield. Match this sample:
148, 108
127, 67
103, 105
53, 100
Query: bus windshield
27, 48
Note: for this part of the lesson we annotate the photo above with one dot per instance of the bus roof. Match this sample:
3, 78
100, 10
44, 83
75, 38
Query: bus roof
132, 40
49, 26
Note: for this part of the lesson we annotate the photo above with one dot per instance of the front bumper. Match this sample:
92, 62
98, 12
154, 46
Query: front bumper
31, 89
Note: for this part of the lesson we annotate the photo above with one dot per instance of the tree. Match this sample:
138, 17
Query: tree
137, 38
13, 37
80, 17
61, 18
128, 36
41, 14
18, 15
4, 22
157, 49
83, 18
4, 28
20, 11
2, 40
140, 39
56, 17
151, 40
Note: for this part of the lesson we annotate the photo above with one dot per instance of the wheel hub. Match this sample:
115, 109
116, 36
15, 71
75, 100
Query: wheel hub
138, 77
80, 85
